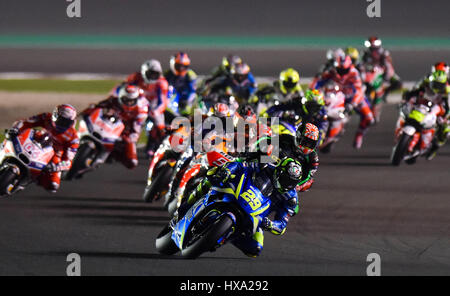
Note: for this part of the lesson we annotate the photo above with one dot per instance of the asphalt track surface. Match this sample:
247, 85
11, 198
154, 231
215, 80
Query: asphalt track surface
358, 205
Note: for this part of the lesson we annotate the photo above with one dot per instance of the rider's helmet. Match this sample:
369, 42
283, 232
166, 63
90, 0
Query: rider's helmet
63, 117
151, 70
373, 44
313, 101
441, 66
221, 110
439, 78
343, 64
128, 96
287, 175
179, 63
333, 53
230, 61
307, 137
289, 80
240, 72
353, 53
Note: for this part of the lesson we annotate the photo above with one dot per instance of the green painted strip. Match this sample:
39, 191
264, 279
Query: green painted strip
127, 41
57, 85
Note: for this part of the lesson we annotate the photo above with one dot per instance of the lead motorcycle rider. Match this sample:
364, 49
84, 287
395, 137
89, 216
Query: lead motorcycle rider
349, 80
131, 106
61, 126
275, 181
155, 87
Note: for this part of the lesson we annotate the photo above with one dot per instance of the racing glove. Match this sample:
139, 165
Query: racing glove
52, 167
266, 224
12, 132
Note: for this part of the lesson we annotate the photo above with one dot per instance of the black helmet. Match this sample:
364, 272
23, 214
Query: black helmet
287, 174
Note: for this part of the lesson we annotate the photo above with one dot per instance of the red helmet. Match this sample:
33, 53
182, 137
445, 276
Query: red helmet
128, 96
343, 63
179, 63
440, 66
373, 43
63, 117
307, 137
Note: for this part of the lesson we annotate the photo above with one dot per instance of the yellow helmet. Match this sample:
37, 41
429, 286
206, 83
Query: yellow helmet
289, 80
353, 53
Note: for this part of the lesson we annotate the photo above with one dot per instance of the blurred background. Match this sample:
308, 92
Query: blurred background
115, 36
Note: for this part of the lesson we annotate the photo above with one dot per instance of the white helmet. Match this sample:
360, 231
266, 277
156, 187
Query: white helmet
151, 70
128, 95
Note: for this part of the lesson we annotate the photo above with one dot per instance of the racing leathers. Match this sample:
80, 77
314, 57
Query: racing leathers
242, 90
134, 118
351, 85
156, 94
378, 74
274, 94
183, 87
65, 145
384, 60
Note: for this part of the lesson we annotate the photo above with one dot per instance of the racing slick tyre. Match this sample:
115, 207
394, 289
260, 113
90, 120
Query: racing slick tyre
151, 192
164, 243
79, 162
190, 187
400, 149
7, 178
208, 239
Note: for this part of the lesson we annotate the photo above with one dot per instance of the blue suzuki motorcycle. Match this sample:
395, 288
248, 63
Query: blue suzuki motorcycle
236, 208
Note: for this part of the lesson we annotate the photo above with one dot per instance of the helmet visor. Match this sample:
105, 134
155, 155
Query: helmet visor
62, 123
152, 75
289, 84
128, 101
181, 67
307, 142
438, 87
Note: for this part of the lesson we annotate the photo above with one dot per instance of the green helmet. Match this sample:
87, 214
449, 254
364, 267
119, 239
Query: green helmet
287, 174
289, 81
313, 101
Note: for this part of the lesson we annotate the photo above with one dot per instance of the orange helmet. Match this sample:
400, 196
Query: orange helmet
179, 63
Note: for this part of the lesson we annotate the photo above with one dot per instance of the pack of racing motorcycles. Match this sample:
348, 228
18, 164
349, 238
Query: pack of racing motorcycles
228, 157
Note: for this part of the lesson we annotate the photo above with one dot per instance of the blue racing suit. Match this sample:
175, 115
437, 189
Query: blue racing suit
184, 87
242, 90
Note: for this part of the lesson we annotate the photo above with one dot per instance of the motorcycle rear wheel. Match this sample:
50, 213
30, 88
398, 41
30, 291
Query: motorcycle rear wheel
79, 161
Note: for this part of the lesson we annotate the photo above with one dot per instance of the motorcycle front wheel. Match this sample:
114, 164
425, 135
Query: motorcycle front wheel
400, 149
209, 238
